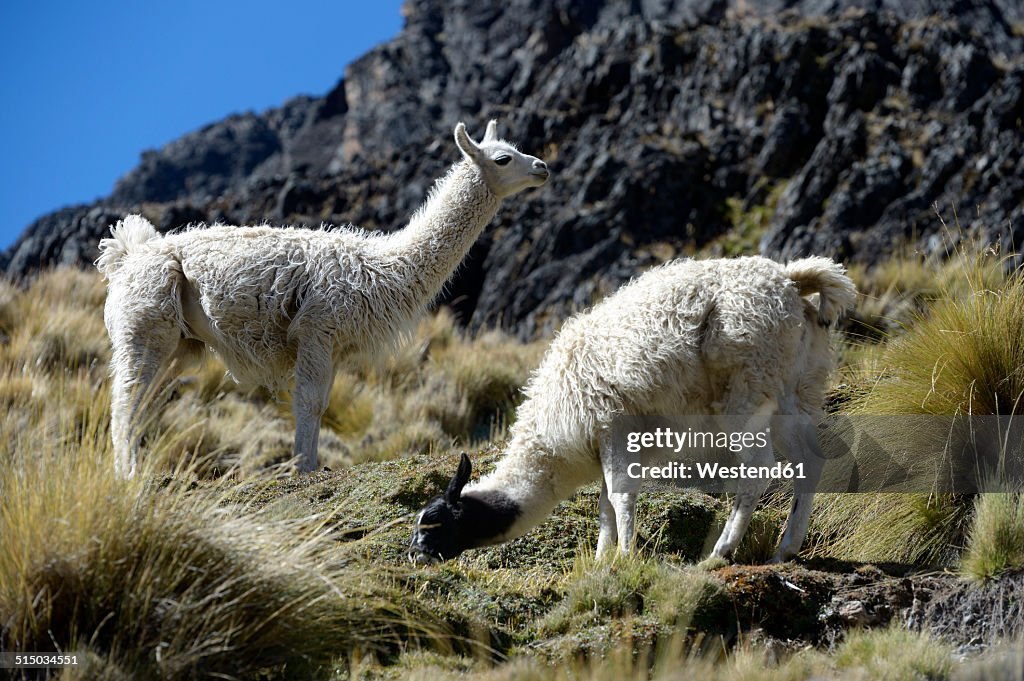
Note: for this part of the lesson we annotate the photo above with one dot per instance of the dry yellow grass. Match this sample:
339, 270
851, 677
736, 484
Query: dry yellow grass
960, 354
167, 580
196, 583
440, 389
887, 655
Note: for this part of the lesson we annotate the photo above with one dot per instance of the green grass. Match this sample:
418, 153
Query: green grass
620, 586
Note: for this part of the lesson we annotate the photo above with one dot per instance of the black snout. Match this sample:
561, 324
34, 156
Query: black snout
420, 554
417, 557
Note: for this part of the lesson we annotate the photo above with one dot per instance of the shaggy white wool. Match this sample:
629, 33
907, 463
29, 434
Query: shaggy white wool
727, 336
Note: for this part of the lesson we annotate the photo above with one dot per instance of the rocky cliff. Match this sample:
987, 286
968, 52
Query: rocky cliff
836, 127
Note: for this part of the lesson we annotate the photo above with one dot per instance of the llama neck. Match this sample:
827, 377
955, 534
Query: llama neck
442, 231
535, 479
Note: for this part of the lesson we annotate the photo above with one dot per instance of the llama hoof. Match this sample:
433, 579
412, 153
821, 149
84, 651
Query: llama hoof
712, 563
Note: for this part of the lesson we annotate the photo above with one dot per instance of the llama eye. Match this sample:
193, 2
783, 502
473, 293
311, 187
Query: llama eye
503, 160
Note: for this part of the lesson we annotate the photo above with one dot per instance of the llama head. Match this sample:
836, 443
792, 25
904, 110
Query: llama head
454, 522
505, 169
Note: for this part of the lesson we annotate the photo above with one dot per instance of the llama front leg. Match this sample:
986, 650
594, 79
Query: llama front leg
617, 509
608, 535
314, 373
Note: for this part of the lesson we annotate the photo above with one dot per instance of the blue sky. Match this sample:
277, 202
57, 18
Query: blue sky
87, 86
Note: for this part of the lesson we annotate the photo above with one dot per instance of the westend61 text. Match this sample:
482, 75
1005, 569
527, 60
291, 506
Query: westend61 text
782, 470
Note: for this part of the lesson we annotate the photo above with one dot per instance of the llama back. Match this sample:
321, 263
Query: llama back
671, 338
269, 284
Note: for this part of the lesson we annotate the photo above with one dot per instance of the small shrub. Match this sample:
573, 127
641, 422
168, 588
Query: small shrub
893, 655
996, 539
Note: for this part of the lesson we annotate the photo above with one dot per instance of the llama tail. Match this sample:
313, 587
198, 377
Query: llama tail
837, 292
127, 236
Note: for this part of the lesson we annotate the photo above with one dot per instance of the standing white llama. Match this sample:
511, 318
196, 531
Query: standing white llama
274, 304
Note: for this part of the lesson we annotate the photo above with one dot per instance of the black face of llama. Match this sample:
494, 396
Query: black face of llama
454, 522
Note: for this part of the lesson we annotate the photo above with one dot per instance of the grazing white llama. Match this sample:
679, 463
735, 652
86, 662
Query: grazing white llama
693, 337
276, 304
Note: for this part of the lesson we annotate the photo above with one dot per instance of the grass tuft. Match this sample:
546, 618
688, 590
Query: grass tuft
965, 355
893, 655
961, 354
164, 579
996, 540
620, 586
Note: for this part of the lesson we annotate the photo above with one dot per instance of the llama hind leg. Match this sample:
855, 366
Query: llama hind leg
739, 518
138, 363
624, 504
608, 535
750, 490
617, 509
798, 438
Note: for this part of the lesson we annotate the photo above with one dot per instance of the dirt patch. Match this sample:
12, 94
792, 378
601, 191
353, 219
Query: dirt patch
969, 614
818, 603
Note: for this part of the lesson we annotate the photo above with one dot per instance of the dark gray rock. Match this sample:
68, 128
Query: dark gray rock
861, 117
201, 165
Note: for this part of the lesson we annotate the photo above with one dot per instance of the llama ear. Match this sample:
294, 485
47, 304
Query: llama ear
492, 131
454, 491
467, 145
